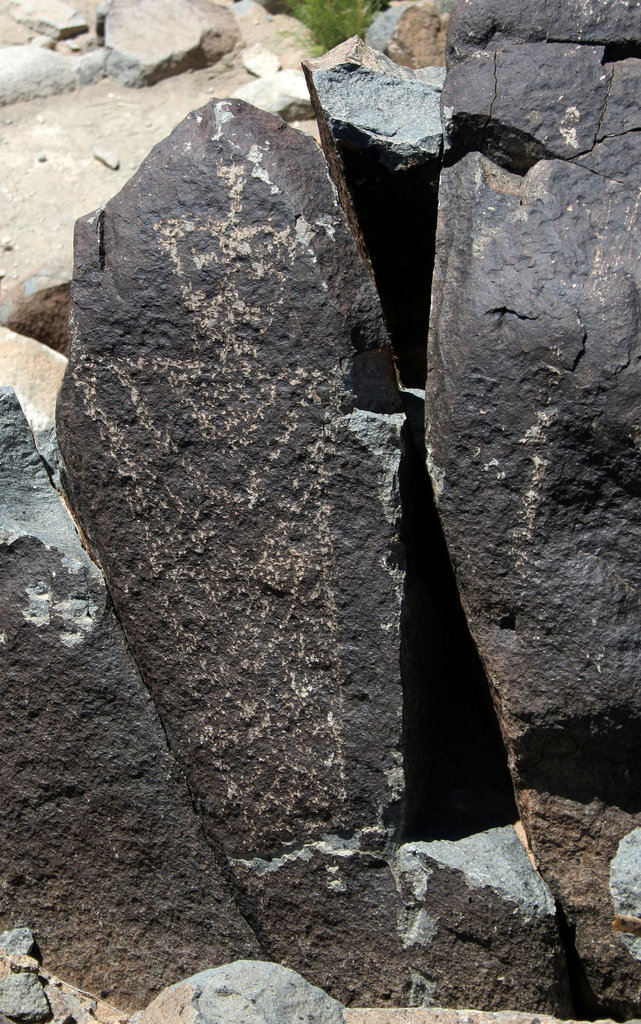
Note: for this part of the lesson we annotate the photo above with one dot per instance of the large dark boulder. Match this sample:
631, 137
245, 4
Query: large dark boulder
102, 853
533, 398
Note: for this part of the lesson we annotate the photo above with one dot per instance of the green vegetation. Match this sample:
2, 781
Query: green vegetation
332, 21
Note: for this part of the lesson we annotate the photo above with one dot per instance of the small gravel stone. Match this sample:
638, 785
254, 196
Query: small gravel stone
106, 157
42, 158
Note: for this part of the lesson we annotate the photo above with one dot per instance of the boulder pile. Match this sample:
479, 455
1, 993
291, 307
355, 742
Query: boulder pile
320, 628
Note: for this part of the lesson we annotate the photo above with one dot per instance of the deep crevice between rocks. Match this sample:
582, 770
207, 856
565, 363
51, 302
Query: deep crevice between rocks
396, 211
456, 769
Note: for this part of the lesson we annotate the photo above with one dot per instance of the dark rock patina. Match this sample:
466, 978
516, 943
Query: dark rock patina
102, 853
533, 424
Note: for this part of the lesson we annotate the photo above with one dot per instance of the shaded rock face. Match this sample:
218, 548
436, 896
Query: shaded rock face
106, 856
380, 126
236, 439
533, 415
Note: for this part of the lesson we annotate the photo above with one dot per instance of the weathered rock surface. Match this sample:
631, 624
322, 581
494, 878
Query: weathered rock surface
438, 1015
275, 672
20, 941
533, 394
84, 763
52, 18
27, 72
146, 40
283, 93
443, 922
411, 34
245, 992
260, 61
39, 307
380, 127
490, 24
34, 371
22, 998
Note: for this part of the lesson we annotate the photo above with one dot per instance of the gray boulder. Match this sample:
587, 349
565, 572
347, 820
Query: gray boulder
22, 998
147, 40
30, 72
245, 992
97, 815
18, 940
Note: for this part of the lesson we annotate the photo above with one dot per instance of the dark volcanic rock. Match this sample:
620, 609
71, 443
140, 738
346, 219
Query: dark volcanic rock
380, 127
449, 923
490, 24
533, 399
102, 853
231, 427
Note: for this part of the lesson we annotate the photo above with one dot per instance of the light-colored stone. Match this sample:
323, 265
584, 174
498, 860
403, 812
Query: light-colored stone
22, 998
106, 157
260, 61
147, 40
284, 93
34, 371
17, 941
52, 18
89, 67
245, 992
29, 72
436, 1015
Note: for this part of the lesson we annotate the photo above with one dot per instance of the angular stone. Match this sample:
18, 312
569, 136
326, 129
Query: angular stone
251, 410
147, 40
39, 307
412, 34
260, 61
34, 371
453, 923
52, 18
380, 127
29, 72
245, 992
102, 852
283, 93
18, 940
23, 999
533, 396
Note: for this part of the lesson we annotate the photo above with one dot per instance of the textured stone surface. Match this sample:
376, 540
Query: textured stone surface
22, 998
245, 992
39, 307
227, 437
412, 34
52, 18
380, 127
625, 888
146, 40
457, 923
18, 940
28, 72
490, 24
533, 403
97, 818
283, 93
34, 371
437, 1015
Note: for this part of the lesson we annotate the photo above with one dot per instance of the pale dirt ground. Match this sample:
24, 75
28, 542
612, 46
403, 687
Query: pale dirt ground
40, 201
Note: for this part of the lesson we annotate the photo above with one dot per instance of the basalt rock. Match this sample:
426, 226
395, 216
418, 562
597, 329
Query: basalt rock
533, 397
39, 307
232, 442
102, 853
454, 923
